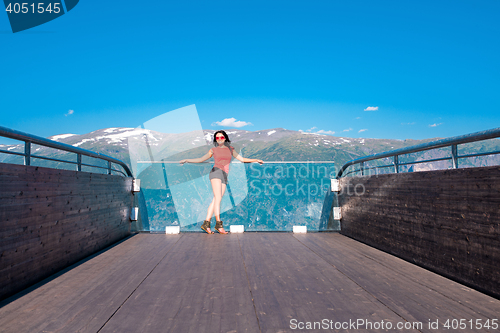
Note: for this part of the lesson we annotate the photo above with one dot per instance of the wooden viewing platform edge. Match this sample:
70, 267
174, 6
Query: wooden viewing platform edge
253, 282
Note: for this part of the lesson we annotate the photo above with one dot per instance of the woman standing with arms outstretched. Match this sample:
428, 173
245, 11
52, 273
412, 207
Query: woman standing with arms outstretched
222, 153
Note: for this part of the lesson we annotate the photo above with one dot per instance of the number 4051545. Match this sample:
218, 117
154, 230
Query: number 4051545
463, 324
25, 8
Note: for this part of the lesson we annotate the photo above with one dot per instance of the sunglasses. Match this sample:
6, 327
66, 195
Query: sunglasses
219, 137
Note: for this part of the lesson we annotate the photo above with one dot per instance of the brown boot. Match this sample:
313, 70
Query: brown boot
220, 228
206, 226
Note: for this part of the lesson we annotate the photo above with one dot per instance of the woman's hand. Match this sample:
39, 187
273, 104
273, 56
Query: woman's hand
260, 162
183, 161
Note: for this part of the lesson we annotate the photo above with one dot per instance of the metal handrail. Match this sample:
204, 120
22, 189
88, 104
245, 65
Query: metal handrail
29, 139
453, 142
265, 162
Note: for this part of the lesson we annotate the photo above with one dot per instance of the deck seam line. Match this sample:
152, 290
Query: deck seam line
138, 285
376, 298
416, 281
249, 286
411, 277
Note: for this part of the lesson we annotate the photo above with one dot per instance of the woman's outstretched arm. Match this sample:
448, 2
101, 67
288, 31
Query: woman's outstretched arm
246, 160
198, 160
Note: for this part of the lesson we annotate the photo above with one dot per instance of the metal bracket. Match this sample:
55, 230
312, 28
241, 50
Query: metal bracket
134, 214
236, 229
136, 185
335, 185
173, 230
337, 213
299, 229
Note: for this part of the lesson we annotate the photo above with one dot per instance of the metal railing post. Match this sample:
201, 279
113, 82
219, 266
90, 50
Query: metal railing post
454, 157
109, 167
362, 168
79, 161
396, 164
27, 153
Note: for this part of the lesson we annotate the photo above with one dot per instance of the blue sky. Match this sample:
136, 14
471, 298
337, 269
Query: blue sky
425, 68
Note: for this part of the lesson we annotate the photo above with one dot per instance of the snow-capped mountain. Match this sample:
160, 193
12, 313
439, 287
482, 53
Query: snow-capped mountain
276, 144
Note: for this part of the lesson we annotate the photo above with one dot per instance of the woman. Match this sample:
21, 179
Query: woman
222, 153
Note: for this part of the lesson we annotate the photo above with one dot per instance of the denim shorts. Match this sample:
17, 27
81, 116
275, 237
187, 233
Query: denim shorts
217, 173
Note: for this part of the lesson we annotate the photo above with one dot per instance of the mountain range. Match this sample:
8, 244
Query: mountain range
270, 198
275, 144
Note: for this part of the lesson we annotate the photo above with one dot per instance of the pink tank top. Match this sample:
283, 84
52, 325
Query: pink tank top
222, 157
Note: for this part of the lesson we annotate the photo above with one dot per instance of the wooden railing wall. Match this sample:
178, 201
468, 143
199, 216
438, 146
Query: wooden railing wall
50, 219
447, 221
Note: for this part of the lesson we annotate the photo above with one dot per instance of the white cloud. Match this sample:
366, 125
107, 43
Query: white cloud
362, 130
413, 123
322, 132
347, 130
70, 112
231, 122
357, 118
372, 108
435, 125
326, 132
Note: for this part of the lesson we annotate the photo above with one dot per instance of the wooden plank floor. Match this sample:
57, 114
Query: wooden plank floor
252, 282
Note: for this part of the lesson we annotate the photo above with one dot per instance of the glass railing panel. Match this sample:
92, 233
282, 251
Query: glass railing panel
269, 197
423, 160
10, 145
487, 149
283, 195
52, 158
95, 165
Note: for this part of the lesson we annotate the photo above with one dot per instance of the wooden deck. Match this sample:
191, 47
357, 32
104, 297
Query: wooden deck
252, 282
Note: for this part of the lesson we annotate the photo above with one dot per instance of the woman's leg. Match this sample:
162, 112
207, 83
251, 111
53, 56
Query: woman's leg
211, 207
217, 210
210, 210
219, 189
